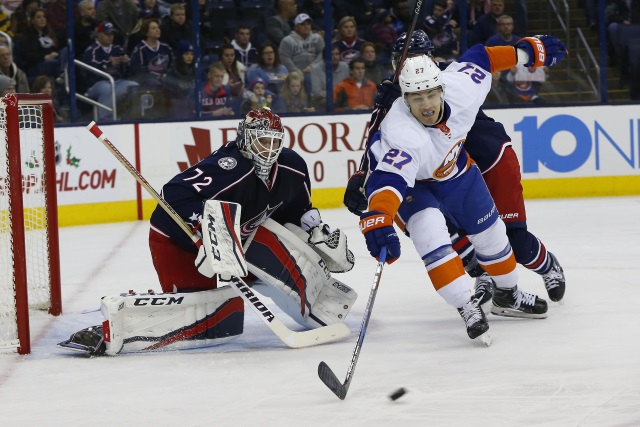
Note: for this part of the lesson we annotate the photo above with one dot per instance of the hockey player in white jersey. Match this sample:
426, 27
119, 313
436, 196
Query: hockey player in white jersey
419, 168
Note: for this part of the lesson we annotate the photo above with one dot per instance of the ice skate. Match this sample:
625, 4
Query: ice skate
476, 321
554, 280
512, 302
88, 341
484, 289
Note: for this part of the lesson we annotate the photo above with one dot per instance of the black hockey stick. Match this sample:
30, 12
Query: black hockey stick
324, 371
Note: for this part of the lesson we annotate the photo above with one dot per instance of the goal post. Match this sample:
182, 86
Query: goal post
29, 248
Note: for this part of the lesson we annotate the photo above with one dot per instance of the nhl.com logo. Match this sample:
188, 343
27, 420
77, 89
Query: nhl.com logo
227, 163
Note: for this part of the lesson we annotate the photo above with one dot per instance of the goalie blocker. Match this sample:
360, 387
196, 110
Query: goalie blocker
293, 267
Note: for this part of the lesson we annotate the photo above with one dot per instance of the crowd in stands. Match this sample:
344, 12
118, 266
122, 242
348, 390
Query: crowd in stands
266, 53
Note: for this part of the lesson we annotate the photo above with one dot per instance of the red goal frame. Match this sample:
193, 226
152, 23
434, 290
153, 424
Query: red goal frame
12, 103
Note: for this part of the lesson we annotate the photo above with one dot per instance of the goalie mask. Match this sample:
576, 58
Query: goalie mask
260, 139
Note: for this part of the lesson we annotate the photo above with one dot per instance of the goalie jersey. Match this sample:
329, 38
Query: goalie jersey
227, 175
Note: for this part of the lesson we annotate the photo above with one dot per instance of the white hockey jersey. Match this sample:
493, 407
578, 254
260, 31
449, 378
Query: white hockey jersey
418, 152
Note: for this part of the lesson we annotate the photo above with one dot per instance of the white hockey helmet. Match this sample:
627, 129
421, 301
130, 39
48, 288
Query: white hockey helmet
420, 73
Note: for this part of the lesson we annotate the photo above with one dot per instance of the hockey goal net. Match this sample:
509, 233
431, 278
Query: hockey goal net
29, 259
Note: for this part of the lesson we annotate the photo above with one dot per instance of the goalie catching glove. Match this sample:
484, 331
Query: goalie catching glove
330, 245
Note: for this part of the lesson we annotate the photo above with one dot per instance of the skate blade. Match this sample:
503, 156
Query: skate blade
484, 339
77, 348
510, 312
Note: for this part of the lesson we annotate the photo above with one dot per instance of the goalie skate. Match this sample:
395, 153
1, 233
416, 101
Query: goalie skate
88, 341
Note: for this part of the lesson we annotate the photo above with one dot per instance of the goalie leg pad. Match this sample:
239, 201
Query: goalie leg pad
171, 321
333, 303
294, 273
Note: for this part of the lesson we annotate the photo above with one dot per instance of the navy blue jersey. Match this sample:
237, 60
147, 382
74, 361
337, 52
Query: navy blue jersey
227, 175
486, 141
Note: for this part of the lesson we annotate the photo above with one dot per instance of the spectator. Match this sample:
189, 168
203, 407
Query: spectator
504, 36
38, 48
439, 27
373, 71
355, 92
528, 82
476, 10
176, 27
10, 69
619, 14
522, 20
246, 53
5, 18
111, 58
180, 78
400, 15
43, 84
302, 48
56, 13
216, 97
234, 74
487, 24
21, 16
278, 26
151, 58
7, 85
340, 71
315, 10
149, 9
269, 68
257, 96
84, 27
360, 10
383, 33
294, 95
347, 39
503, 81
123, 14
180, 81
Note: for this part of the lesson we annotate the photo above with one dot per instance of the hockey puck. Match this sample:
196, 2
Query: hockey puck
398, 393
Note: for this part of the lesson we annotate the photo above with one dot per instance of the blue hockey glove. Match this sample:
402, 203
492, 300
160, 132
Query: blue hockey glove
542, 50
378, 231
354, 198
387, 94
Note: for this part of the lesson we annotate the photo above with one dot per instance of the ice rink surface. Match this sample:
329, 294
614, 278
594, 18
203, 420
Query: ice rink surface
578, 367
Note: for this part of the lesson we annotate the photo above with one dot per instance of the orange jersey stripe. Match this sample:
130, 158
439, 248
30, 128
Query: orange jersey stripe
446, 273
502, 267
385, 201
502, 57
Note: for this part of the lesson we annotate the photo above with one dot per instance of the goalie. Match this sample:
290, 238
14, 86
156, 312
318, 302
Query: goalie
289, 252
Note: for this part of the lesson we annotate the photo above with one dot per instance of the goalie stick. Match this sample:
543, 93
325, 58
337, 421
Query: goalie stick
293, 339
324, 371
